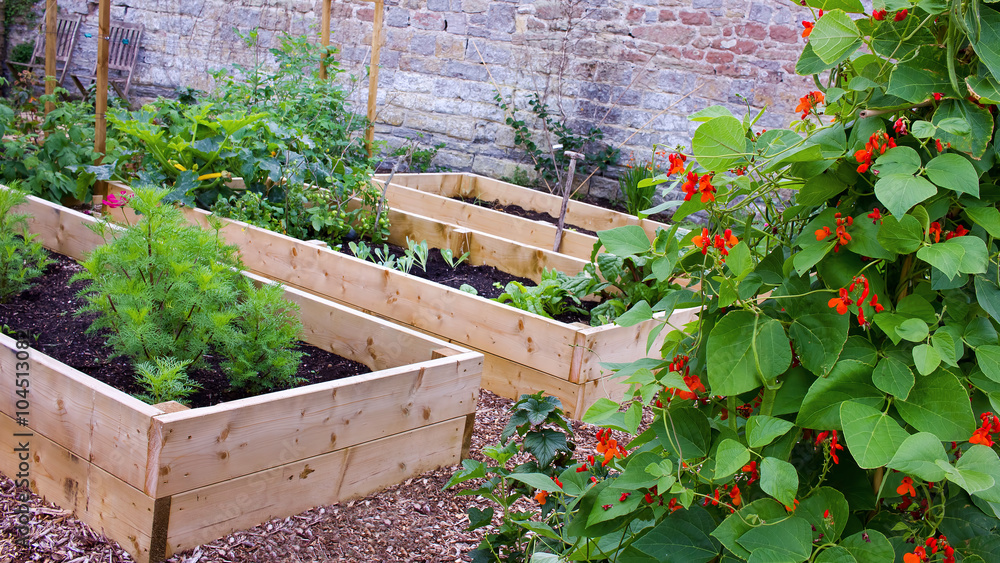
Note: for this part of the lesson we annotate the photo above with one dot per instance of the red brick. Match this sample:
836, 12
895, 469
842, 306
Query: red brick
693, 54
428, 20
753, 30
667, 16
366, 14
636, 14
727, 32
695, 18
785, 34
744, 47
719, 57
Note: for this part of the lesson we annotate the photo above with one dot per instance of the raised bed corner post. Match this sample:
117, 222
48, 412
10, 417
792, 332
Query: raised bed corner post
101, 104
324, 37
51, 25
373, 73
565, 198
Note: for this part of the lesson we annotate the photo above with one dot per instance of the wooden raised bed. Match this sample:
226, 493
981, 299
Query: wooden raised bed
160, 482
434, 194
525, 353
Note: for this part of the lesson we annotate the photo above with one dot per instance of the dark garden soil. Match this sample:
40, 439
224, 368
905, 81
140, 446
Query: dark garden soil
46, 313
484, 279
414, 521
518, 211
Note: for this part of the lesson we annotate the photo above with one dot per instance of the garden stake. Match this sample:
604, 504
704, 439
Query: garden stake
565, 201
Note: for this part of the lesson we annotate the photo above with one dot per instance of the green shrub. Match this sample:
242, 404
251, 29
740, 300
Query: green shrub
163, 288
22, 259
21, 53
164, 379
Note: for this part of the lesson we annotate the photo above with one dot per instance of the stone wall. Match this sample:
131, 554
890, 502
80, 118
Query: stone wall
635, 68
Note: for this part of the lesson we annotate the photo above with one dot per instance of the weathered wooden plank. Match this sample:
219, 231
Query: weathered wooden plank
445, 312
217, 443
94, 421
96, 497
207, 513
539, 234
59, 228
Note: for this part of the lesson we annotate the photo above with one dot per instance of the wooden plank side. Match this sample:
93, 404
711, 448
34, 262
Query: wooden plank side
205, 514
377, 343
539, 234
444, 312
96, 497
447, 184
610, 343
578, 213
94, 421
60, 229
215, 444
511, 380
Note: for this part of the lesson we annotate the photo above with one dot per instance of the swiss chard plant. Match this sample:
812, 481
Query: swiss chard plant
836, 397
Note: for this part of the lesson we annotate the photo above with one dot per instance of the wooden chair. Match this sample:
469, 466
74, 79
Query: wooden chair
66, 30
123, 52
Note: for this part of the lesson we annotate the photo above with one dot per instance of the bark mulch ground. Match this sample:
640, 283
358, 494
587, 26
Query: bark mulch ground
414, 521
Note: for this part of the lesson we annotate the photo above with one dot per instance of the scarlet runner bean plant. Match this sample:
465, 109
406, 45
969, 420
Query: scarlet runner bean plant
836, 398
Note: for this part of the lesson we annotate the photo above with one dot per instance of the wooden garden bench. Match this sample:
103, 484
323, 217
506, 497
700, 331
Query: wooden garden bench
66, 30
123, 51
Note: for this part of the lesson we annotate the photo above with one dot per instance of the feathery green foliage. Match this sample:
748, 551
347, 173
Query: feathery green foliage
21, 258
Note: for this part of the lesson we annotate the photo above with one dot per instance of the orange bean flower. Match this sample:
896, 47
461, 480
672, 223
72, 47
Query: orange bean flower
906, 487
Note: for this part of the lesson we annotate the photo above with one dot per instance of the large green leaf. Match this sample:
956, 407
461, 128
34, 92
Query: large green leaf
915, 83
819, 188
827, 510
809, 63
986, 217
898, 160
926, 358
975, 255
538, 481
900, 235
988, 296
720, 143
733, 528
980, 121
625, 241
779, 479
771, 348
684, 432
731, 366
918, 456
682, 537
730, 457
988, 358
982, 459
834, 35
835, 554
900, 192
761, 430
869, 546
786, 540
944, 256
988, 44
873, 436
954, 172
818, 334
849, 380
894, 377
939, 404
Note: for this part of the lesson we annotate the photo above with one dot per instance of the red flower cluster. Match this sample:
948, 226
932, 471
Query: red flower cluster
694, 185
906, 487
843, 237
842, 301
878, 143
878, 15
704, 241
919, 553
934, 231
114, 201
609, 446
751, 468
900, 127
809, 102
834, 446
876, 215
676, 163
900, 15
991, 425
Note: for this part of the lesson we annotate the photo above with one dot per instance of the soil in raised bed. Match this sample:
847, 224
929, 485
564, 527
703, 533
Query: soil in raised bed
518, 211
482, 278
46, 313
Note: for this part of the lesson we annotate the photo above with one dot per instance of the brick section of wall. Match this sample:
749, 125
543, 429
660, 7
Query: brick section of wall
625, 65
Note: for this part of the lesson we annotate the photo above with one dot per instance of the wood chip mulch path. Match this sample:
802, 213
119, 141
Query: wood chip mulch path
415, 521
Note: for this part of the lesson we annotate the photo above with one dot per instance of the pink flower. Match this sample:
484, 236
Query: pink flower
114, 201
